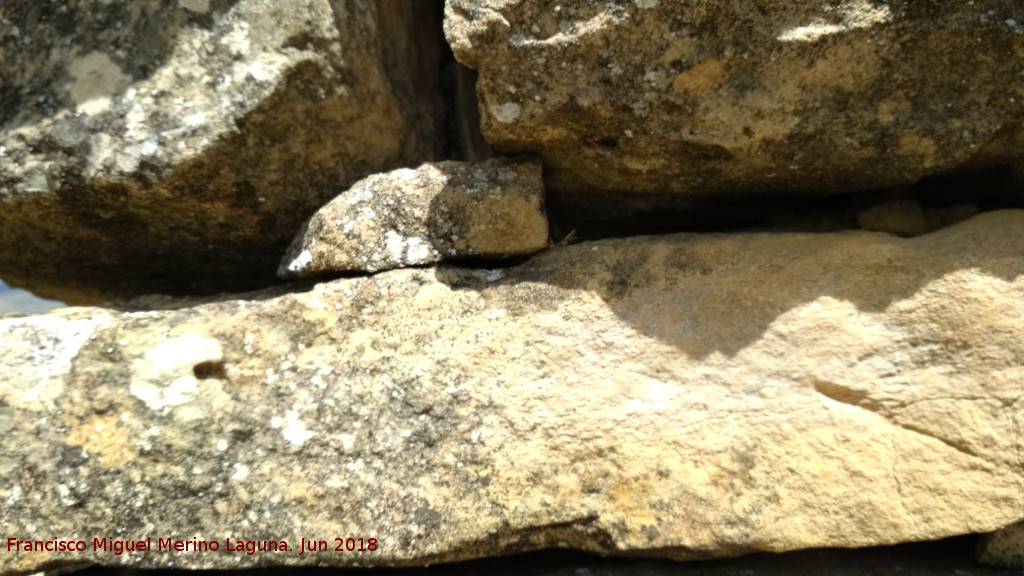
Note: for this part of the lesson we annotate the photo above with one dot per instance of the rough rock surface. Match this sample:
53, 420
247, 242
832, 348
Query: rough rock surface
648, 104
684, 396
440, 211
1004, 548
178, 146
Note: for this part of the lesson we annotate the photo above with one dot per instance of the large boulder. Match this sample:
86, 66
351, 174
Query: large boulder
648, 105
683, 396
178, 146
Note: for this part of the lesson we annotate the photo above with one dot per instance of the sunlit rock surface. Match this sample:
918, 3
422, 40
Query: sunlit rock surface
686, 396
645, 105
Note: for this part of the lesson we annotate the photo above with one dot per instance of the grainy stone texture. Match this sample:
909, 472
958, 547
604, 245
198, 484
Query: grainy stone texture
683, 396
1003, 548
439, 211
178, 146
645, 104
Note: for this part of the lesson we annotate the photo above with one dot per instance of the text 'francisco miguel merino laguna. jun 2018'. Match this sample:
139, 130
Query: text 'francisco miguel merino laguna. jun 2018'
149, 544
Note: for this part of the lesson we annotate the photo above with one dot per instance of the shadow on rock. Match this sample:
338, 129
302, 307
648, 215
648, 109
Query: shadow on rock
719, 293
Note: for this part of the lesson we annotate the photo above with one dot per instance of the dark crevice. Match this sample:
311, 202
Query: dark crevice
936, 558
937, 201
463, 137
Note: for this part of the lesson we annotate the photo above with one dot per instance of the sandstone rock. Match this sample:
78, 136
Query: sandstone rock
1004, 548
440, 211
942, 217
646, 104
900, 217
177, 146
683, 396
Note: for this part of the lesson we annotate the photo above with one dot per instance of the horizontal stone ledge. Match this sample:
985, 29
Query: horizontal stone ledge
685, 396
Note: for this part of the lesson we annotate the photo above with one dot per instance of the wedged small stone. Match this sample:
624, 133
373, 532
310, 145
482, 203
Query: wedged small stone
900, 217
177, 146
439, 211
688, 396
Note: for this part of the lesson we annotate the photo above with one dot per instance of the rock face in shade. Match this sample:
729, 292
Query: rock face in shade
441, 211
683, 396
178, 146
646, 104
901, 217
1003, 548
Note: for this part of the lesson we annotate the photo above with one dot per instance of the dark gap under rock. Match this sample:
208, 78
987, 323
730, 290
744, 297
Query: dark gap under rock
939, 558
942, 200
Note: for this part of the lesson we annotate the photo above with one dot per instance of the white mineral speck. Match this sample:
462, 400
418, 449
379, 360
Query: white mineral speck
348, 441
856, 14
241, 471
257, 71
304, 259
395, 245
295, 433
222, 444
507, 113
418, 251
149, 147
